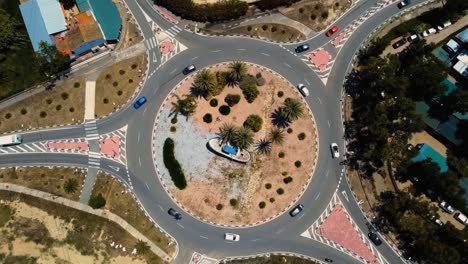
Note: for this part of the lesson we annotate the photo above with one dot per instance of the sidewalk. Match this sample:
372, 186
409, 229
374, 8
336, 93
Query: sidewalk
90, 100
78, 206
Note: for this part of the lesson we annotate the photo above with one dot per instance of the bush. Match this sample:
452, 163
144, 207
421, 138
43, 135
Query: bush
233, 202
173, 129
77, 85
64, 96
284, 173
280, 94
289, 130
119, 92
261, 205
219, 11
254, 122
134, 66
121, 72
172, 165
105, 101
43, 114
108, 76
301, 136
249, 89
272, 200
8, 115
48, 101
287, 179
232, 99
174, 120
298, 163
280, 191
115, 84
214, 102
24, 111
130, 80
97, 202
224, 110
261, 81
58, 107
281, 154
267, 186
207, 118
71, 109
265, 27
219, 207
324, 15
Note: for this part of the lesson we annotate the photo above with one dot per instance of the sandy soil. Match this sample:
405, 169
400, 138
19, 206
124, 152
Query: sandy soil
214, 180
130, 34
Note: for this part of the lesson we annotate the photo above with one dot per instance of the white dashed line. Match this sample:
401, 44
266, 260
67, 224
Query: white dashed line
194, 58
144, 111
316, 197
328, 121
173, 71
240, 49
320, 101
308, 83
214, 51
147, 185
204, 237
265, 54
138, 137
160, 207
287, 65
139, 160
180, 225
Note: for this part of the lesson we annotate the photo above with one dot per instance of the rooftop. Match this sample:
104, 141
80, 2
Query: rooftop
427, 152
35, 24
108, 17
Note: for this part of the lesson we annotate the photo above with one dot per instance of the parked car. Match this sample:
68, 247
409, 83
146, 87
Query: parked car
412, 38
404, 3
328, 260
296, 210
304, 91
399, 43
374, 238
461, 218
231, 237
335, 151
447, 208
428, 32
332, 31
140, 102
444, 25
174, 213
302, 48
189, 69
438, 222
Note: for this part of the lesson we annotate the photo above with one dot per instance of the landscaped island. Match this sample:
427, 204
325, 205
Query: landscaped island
245, 141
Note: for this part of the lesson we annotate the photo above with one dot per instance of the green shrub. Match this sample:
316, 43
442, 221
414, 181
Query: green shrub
249, 89
173, 129
289, 130
301, 136
222, 78
214, 102
232, 99
261, 205
261, 81
281, 154
284, 173
280, 191
172, 165
174, 120
268, 186
280, 94
287, 179
6, 214
224, 110
272, 200
97, 201
254, 122
207, 118
233, 202
298, 163
219, 207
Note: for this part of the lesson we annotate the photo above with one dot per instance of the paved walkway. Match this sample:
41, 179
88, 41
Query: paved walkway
78, 206
90, 100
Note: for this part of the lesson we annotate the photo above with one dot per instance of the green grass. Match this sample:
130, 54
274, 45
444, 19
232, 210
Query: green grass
5, 214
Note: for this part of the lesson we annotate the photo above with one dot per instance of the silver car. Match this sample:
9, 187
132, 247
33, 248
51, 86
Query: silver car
304, 91
335, 151
231, 237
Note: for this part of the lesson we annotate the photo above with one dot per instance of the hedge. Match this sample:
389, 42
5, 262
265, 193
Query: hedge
249, 89
232, 99
254, 122
97, 202
172, 165
219, 11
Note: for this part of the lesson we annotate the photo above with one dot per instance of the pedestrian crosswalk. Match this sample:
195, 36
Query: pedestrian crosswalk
151, 43
94, 159
91, 130
173, 31
29, 147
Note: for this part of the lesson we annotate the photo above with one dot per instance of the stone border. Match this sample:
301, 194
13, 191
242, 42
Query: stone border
343, 94
268, 254
288, 207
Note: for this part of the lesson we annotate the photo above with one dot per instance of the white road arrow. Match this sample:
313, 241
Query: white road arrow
155, 59
345, 195
114, 168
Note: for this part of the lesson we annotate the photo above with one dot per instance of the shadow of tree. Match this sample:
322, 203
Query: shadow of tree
279, 120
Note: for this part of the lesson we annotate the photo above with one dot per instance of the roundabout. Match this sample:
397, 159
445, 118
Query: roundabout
145, 138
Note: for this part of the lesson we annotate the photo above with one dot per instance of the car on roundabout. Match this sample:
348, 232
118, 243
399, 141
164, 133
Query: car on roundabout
231, 237
304, 91
328, 260
404, 3
302, 48
334, 150
140, 102
189, 69
296, 210
332, 31
174, 213
374, 238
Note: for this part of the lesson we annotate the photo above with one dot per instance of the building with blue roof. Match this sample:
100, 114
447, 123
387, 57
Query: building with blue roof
427, 152
108, 17
42, 18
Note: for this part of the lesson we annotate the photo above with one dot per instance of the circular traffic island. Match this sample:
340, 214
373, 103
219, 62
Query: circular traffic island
238, 154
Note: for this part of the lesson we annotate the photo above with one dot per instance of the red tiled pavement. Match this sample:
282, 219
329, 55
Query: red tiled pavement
338, 228
167, 47
80, 146
166, 15
320, 59
111, 147
342, 36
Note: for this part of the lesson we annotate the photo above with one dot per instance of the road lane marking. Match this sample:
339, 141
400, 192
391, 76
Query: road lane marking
204, 237
326, 175
308, 83
265, 54
345, 195
114, 168
147, 185
139, 160
146, 108
160, 207
173, 71
194, 58
214, 51
180, 225
155, 59
329, 125
320, 101
287, 65
240, 49
302, 215
138, 136
253, 240
316, 197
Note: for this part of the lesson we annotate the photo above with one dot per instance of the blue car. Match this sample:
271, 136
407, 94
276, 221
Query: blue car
139, 102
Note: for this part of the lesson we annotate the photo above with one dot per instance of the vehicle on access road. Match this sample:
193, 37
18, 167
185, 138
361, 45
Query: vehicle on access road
189, 69
335, 151
302, 48
231, 237
140, 102
447, 207
174, 213
332, 31
304, 91
404, 3
374, 238
399, 43
296, 210
10, 140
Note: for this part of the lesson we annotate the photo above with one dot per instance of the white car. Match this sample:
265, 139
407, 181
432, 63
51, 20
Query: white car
335, 151
231, 237
428, 32
304, 91
447, 207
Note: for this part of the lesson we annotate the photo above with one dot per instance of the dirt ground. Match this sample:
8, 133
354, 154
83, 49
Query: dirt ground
247, 183
122, 203
117, 83
130, 34
63, 104
45, 179
274, 32
424, 137
45, 232
317, 14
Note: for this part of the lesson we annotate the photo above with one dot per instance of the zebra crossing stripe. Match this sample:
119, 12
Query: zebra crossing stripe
176, 29
30, 149
2, 150
12, 149
170, 34
154, 42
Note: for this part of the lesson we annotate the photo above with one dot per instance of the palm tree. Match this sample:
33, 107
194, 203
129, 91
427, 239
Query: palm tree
243, 138
227, 132
263, 146
184, 106
70, 186
237, 70
205, 82
277, 136
142, 247
292, 109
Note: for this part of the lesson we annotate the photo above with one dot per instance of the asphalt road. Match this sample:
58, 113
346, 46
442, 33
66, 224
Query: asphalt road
280, 234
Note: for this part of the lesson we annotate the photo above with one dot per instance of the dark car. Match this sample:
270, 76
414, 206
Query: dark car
296, 210
332, 31
404, 3
140, 102
302, 48
189, 69
174, 213
375, 238
399, 43
328, 260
